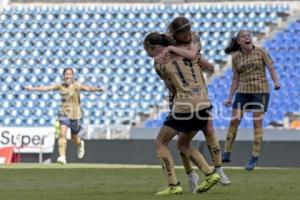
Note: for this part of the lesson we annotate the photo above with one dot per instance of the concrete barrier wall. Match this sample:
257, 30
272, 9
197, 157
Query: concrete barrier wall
280, 149
242, 135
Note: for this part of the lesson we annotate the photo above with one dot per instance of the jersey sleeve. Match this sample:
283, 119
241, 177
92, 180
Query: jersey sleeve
56, 87
160, 71
196, 41
266, 57
79, 86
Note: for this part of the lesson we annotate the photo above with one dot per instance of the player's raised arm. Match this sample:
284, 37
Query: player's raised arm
191, 53
188, 43
41, 88
160, 57
90, 88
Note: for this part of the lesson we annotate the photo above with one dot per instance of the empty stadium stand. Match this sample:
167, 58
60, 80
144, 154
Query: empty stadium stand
104, 46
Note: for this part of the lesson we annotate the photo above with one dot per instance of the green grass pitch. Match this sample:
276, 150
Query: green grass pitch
120, 182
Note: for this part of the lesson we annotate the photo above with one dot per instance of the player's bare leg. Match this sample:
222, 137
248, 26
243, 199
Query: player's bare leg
62, 144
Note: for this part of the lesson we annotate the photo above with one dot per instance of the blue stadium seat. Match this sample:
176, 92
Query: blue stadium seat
37, 41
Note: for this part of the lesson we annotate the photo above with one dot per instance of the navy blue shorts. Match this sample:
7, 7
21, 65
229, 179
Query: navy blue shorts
73, 124
188, 122
250, 102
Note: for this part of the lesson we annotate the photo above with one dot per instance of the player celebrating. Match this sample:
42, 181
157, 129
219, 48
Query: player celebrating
190, 113
188, 46
249, 80
70, 115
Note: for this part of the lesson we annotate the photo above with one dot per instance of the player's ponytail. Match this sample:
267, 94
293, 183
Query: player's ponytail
166, 40
233, 46
155, 38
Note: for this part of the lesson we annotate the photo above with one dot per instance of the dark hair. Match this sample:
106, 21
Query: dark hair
156, 38
179, 25
68, 68
233, 46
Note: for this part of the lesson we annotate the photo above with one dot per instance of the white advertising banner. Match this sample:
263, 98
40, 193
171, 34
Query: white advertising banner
28, 139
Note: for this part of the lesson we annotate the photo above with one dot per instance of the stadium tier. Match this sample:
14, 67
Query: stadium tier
104, 46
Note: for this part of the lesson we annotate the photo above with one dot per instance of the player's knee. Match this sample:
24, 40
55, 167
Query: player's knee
159, 143
182, 146
62, 136
235, 122
73, 137
257, 124
209, 131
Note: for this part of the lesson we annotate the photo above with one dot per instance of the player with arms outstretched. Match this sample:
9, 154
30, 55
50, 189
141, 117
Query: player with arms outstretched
71, 114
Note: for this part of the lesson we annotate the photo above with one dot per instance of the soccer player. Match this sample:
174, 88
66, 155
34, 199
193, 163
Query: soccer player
188, 46
190, 113
70, 115
249, 65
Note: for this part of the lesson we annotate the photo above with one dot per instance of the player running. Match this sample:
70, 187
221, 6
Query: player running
70, 114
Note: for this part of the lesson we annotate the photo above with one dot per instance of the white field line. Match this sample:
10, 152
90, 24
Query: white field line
106, 166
